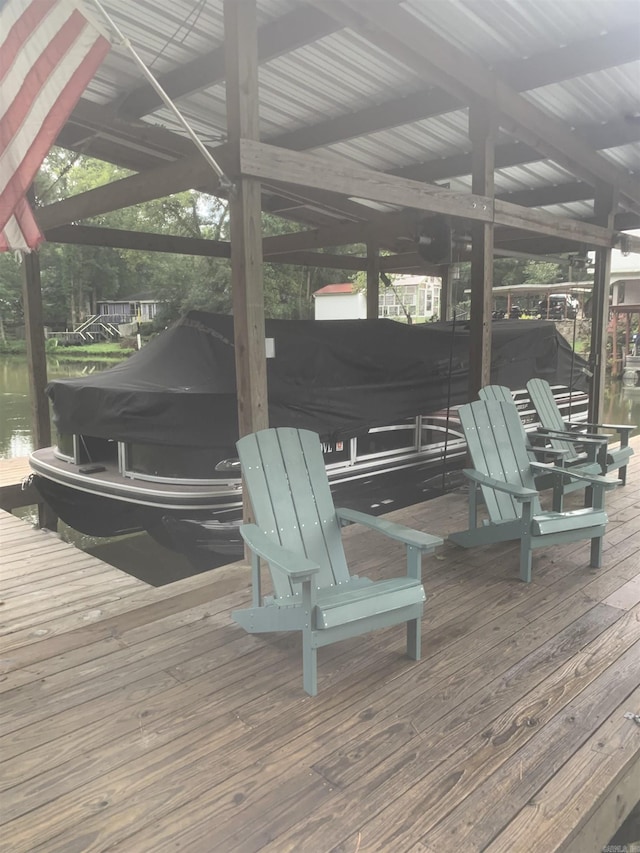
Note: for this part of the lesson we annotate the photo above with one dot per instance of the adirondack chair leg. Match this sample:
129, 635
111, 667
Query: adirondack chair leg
525, 560
526, 556
588, 496
622, 475
473, 505
557, 496
596, 552
256, 591
414, 639
309, 664
414, 562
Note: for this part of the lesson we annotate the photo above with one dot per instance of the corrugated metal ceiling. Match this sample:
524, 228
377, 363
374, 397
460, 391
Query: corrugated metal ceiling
343, 73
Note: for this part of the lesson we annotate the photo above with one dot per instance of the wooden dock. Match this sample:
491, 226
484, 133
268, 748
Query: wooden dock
142, 719
15, 490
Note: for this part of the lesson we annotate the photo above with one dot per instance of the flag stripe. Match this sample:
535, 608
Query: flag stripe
19, 30
21, 231
41, 70
49, 52
49, 109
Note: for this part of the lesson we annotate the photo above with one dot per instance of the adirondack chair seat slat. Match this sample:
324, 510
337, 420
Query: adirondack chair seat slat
363, 602
297, 532
577, 519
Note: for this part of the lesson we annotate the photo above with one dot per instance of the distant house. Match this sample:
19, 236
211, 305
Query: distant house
625, 314
625, 279
417, 296
340, 302
135, 309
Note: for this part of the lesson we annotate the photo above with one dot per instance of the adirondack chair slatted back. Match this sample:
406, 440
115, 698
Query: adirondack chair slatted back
550, 416
501, 394
285, 475
493, 431
496, 392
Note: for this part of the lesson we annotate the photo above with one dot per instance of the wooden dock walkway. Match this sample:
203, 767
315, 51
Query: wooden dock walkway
14, 490
142, 719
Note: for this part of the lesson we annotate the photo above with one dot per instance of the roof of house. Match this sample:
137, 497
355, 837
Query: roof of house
333, 289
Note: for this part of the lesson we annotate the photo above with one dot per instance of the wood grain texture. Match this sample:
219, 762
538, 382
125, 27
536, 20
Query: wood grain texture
157, 725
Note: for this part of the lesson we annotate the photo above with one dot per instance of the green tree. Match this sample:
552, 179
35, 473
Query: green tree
10, 294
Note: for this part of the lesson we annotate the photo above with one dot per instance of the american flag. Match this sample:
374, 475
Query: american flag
49, 51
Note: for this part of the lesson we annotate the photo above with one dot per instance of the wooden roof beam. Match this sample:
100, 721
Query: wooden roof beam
90, 235
266, 162
339, 235
116, 238
401, 35
155, 183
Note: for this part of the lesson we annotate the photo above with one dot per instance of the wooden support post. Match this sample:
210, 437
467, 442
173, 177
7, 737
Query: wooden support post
37, 367
481, 133
446, 293
604, 209
373, 281
241, 60
614, 347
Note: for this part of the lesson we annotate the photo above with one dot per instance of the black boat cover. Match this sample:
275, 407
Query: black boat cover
336, 377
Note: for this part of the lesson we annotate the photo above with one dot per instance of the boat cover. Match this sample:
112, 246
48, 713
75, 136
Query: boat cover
336, 377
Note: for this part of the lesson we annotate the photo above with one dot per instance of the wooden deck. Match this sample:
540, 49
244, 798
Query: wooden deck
141, 719
14, 489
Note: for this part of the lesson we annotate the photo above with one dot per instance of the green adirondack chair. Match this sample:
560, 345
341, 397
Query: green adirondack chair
611, 459
297, 532
504, 473
583, 462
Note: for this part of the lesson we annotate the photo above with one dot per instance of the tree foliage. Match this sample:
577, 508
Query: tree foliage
76, 278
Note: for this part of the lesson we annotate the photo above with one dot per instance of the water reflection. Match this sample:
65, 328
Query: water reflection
15, 400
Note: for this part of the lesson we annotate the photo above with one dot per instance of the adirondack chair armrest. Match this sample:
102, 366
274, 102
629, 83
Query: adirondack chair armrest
585, 438
416, 538
520, 493
538, 436
298, 568
595, 479
624, 430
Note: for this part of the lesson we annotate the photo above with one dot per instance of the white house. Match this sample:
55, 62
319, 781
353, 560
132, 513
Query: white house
417, 296
340, 302
625, 278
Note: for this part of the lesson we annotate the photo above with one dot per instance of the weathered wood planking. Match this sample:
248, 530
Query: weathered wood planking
13, 492
157, 725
